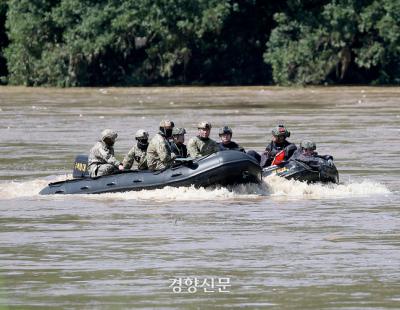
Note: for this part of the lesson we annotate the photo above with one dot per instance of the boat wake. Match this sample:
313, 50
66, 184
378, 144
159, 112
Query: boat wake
283, 188
273, 186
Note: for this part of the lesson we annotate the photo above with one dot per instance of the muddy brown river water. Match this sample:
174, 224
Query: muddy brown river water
279, 245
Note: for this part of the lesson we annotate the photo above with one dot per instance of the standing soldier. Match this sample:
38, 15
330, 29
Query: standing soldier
101, 158
136, 157
177, 145
202, 145
159, 150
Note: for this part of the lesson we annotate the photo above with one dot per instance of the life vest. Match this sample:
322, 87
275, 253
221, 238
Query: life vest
280, 157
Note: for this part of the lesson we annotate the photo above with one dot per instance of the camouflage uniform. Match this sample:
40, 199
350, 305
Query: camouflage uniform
179, 149
312, 159
198, 147
102, 160
159, 153
136, 159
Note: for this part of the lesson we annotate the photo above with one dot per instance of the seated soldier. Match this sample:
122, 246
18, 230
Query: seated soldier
202, 145
225, 134
159, 154
278, 144
307, 154
177, 144
136, 157
101, 158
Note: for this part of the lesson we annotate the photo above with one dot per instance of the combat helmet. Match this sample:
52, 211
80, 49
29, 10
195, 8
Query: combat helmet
176, 131
166, 123
141, 134
281, 130
308, 145
225, 130
109, 134
204, 125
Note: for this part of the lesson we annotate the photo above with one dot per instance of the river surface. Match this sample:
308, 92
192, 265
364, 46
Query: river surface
280, 245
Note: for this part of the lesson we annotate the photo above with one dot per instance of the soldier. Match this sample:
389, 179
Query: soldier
278, 144
159, 150
177, 145
136, 157
202, 145
101, 158
307, 154
225, 134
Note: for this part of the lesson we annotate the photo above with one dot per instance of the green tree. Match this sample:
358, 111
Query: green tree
235, 55
3, 39
33, 36
341, 41
87, 42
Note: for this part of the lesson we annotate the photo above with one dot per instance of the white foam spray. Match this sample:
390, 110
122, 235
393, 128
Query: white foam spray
273, 186
280, 187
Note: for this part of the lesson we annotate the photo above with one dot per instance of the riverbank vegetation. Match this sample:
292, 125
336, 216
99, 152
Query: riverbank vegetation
203, 42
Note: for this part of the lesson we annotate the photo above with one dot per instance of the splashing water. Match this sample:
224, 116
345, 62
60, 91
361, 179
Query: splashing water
273, 186
10, 190
280, 187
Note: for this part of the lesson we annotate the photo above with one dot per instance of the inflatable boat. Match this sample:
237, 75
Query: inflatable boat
222, 168
326, 172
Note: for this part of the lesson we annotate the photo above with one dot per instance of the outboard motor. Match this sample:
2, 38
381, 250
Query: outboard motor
80, 167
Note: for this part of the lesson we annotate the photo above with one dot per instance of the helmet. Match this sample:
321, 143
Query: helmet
204, 125
225, 130
109, 134
166, 123
308, 145
141, 134
178, 131
281, 130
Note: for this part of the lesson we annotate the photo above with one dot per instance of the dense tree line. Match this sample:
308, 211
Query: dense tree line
200, 42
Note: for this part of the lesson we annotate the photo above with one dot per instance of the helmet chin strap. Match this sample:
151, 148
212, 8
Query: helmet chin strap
142, 145
163, 131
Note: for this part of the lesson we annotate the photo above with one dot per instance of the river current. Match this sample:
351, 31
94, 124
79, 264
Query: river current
280, 245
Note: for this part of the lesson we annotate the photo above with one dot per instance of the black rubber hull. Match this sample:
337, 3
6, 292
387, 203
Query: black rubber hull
294, 170
222, 168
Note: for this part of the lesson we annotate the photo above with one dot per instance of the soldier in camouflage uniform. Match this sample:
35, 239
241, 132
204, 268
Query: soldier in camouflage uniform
307, 154
136, 158
202, 145
177, 144
159, 154
101, 158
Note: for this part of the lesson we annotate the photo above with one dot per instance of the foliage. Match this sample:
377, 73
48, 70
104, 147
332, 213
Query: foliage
147, 42
106, 42
3, 39
346, 41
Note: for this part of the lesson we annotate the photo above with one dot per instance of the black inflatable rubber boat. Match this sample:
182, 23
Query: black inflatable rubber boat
222, 168
296, 170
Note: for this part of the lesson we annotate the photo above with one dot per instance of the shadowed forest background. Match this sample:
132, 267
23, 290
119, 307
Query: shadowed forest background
199, 42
